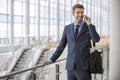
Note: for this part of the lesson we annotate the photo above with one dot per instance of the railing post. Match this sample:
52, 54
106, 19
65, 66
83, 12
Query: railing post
33, 76
108, 63
102, 64
57, 71
95, 77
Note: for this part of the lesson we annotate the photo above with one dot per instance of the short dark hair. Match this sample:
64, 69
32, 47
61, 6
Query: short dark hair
77, 6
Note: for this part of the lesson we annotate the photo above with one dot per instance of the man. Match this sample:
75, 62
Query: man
78, 36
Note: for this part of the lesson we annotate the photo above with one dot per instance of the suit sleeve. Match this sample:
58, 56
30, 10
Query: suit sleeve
60, 47
93, 33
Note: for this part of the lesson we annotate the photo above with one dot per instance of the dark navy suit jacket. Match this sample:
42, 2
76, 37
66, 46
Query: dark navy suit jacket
78, 50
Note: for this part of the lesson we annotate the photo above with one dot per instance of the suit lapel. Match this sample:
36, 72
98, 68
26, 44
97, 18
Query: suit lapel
72, 30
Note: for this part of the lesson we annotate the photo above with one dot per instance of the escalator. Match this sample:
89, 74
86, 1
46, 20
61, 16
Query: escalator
22, 61
43, 72
43, 57
30, 58
40, 72
39, 57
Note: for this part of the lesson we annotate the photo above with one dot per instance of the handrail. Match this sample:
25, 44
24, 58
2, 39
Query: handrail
24, 70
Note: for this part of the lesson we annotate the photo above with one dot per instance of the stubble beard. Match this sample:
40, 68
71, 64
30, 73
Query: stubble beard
79, 20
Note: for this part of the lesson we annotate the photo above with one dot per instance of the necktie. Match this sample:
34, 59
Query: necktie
76, 32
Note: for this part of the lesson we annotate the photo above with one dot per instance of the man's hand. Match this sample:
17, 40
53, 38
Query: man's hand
47, 62
87, 19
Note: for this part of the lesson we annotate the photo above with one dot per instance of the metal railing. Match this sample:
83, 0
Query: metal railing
24, 70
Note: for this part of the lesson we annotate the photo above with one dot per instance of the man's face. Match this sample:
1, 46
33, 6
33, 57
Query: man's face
78, 14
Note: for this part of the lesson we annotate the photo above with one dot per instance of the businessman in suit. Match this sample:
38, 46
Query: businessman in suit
77, 35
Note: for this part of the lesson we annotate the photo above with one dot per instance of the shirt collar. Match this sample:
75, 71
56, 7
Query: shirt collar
80, 24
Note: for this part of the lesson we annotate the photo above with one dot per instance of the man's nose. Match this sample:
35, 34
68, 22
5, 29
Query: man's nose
80, 14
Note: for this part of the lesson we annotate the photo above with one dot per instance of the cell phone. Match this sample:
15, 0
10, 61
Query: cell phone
84, 17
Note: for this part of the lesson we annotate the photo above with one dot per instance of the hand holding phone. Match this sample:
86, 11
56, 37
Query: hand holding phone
87, 19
